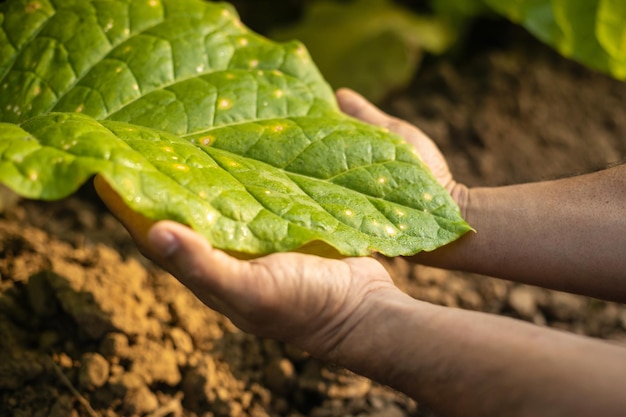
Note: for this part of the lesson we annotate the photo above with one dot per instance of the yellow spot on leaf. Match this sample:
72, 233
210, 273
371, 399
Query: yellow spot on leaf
32, 7
181, 167
207, 140
242, 41
278, 128
80, 109
68, 145
279, 93
253, 63
33, 175
224, 104
428, 196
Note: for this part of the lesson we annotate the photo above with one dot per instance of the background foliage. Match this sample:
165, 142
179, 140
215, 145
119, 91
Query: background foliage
386, 47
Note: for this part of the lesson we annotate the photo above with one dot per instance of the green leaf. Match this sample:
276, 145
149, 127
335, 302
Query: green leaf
371, 46
190, 116
591, 32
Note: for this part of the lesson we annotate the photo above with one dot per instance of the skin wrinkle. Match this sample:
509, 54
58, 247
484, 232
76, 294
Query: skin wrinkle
343, 326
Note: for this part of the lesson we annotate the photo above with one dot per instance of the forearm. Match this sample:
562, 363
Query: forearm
567, 234
463, 363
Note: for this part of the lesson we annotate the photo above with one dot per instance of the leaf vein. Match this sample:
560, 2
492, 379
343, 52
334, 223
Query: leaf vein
26, 43
80, 77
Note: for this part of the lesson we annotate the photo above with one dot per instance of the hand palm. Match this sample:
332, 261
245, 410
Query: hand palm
302, 299
292, 297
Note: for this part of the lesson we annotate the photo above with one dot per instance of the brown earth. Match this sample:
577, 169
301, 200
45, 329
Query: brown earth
88, 327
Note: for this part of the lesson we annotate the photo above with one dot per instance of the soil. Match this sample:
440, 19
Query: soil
89, 327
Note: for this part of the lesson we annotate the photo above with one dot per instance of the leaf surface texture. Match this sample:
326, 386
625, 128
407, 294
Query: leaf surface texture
190, 116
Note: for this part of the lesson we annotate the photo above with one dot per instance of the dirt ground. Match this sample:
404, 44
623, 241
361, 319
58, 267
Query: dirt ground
90, 328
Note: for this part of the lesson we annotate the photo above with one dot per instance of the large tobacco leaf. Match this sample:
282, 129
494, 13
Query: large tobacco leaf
190, 116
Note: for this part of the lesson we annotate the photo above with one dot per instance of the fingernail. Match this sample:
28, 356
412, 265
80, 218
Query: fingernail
163, 241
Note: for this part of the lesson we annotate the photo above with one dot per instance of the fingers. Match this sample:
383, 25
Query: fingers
355, 105
191, 259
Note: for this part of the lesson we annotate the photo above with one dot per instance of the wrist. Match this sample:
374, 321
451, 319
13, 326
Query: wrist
460, 193
377, 341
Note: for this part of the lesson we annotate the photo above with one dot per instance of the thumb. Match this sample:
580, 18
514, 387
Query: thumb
193, 261
355, 105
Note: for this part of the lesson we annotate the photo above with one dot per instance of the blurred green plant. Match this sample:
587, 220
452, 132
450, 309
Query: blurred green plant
375, 46
592, 32
372, 46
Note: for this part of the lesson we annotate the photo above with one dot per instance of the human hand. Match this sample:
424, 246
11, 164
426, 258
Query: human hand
305, 300
353, 104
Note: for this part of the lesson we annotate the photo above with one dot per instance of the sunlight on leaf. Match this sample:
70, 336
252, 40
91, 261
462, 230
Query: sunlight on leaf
190, 116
